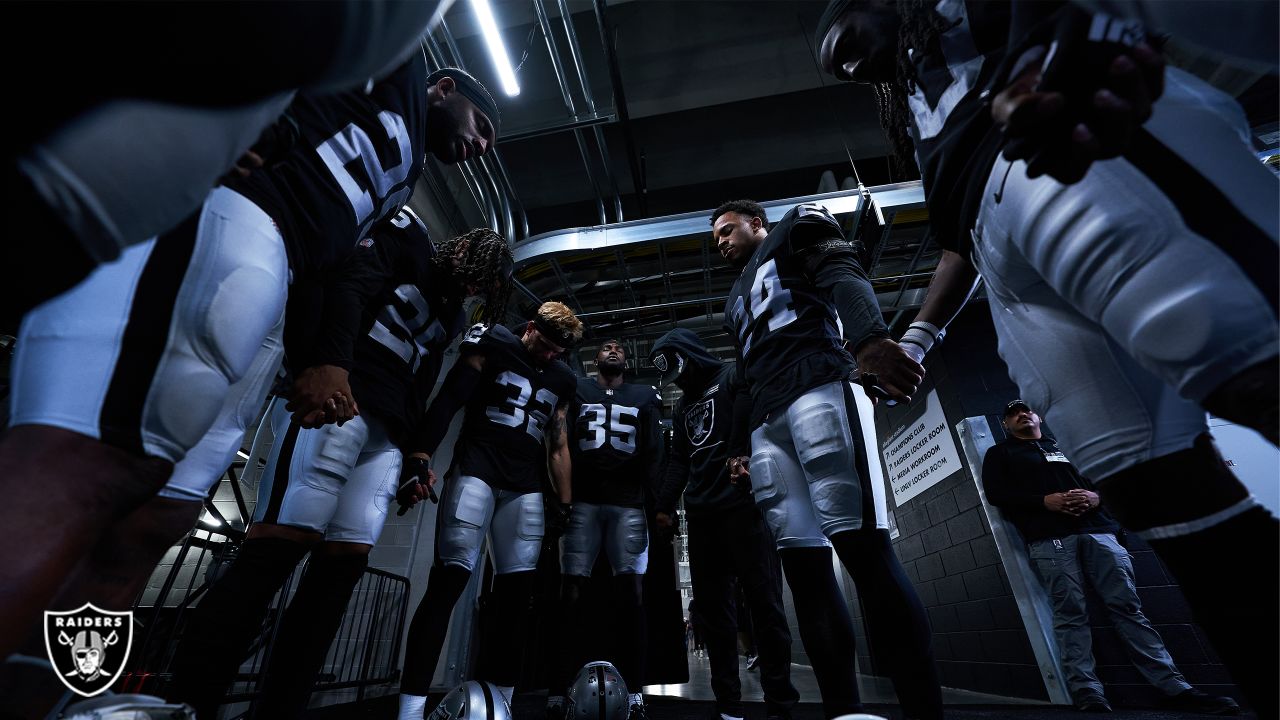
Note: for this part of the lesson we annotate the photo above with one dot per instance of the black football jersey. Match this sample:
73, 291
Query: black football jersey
615, 442
355, 163
788, 335
955, 138
503, 434
407, 327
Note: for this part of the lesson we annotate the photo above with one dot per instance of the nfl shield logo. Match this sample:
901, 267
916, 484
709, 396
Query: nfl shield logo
88, 646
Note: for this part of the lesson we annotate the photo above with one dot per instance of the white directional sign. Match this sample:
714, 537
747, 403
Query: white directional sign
920, 454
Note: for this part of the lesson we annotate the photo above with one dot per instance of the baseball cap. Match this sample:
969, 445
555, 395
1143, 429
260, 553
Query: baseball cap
1015, 406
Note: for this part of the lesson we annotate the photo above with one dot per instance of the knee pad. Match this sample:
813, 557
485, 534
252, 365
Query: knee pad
790, 518
517, 533
628, 545
580, 543
823, 443
461, 521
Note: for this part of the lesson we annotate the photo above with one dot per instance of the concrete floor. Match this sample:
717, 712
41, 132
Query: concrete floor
874, 690
693, 701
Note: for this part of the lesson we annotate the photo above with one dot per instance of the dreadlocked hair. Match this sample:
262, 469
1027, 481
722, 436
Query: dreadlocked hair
920, 28
486, 263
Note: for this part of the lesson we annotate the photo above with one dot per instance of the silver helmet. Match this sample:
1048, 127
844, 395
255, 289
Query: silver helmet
597, 693
472, 700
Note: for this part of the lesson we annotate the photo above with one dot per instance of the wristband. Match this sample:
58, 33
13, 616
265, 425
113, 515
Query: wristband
921, 333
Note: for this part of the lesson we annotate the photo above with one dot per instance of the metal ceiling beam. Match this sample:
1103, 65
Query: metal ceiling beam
658, 306
625, 275
524, 289
620, 106
564, 281
582, 121
666, 275
639, 232
575, 53
544, 23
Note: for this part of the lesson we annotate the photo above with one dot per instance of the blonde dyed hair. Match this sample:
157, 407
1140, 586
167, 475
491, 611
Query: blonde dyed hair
561, 319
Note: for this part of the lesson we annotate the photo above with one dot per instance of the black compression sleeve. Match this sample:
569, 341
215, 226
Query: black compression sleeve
740, 430
458, 386
835, 270
351, 286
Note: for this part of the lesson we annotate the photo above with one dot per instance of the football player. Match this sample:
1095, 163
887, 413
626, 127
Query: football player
326, 490
517, 395
801, 300
618, 452
1153, 279
118, 378
140, 143
729, 543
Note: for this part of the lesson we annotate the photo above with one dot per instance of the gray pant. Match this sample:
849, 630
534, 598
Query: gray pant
1063, 564
622, 530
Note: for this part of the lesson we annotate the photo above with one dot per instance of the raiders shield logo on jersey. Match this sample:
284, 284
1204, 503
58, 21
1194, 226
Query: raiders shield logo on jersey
700, 420
88, 646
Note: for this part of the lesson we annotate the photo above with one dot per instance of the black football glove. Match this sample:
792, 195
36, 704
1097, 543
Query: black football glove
558, 517
414, 477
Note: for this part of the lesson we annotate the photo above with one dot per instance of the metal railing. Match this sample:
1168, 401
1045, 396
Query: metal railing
365, 652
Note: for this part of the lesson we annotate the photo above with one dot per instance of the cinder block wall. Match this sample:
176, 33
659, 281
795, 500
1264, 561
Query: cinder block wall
947, 550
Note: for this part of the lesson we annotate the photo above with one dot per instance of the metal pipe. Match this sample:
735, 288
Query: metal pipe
524, 289
520, 213
657, 306
544, 23
503, 193
437, 56
564, 282
508, 230
575, 52
486, 203
582, 121
620, 105
915, 262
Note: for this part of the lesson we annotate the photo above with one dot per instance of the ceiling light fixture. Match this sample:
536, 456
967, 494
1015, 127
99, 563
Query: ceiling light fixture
208, 519
497, 50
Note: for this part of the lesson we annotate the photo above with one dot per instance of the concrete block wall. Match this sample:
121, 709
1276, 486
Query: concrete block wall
946, 548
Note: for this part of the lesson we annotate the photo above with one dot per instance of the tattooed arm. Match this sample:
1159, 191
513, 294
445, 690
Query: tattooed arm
558, 453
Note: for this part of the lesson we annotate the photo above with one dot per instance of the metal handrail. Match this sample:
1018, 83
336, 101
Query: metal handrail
364, 653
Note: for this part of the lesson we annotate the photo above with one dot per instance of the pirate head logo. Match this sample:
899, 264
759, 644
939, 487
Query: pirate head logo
88, 646
700, 420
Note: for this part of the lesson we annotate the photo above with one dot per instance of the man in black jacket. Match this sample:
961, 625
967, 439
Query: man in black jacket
1070, 538
728, 539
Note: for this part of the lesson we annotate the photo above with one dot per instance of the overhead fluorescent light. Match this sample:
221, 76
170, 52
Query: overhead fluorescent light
242, 454
208, 519
497, 50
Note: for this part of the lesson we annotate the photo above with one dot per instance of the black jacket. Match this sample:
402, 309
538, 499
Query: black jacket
1018, 474
700, 432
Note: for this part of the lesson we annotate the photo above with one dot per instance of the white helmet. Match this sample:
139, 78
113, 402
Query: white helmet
597, 693
473, 700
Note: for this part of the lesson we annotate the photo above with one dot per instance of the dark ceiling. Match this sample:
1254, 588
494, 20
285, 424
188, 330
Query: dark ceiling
696, 102
724, 100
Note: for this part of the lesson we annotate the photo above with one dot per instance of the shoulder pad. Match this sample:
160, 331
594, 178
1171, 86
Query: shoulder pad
474, 333
412, 226
814, 210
